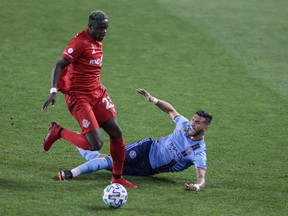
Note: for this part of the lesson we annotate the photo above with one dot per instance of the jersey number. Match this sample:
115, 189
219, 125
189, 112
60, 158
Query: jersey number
108, 102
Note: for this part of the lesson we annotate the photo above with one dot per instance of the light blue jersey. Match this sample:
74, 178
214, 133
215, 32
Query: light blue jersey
176, 152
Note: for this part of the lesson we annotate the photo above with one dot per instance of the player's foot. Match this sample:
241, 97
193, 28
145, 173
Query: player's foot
65, 175
123, 182
52, 135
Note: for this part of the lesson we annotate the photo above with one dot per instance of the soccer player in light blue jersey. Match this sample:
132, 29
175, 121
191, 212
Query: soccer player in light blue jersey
184, 147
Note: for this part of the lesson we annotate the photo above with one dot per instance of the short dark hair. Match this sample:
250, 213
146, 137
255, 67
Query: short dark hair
96, 16
206, 115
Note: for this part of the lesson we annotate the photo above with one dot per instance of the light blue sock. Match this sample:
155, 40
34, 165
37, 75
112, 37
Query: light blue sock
95, 164
88, 154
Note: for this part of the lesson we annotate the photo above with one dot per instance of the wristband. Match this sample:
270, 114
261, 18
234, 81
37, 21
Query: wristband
154, 100
53, 90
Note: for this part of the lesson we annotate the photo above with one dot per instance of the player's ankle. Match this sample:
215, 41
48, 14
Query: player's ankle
116, 176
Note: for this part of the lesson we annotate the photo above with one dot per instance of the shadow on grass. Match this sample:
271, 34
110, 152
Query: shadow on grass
101, 175
104, 175
94, 208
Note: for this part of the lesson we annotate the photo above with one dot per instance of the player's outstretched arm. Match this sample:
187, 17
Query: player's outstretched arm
55, 75
200, 174
163, 105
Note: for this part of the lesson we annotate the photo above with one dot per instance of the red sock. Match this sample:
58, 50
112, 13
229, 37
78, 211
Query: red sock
76, 139
117, 150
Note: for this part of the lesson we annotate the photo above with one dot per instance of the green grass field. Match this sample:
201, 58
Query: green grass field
229, 57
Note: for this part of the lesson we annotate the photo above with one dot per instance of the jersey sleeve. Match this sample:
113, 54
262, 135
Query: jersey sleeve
73, 50
180, 121
200, 161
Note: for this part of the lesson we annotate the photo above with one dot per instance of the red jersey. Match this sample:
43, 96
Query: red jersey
85, 54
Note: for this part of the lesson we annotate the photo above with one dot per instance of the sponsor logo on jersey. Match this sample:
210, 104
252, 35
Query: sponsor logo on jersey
174, 150
96, 61
85, 123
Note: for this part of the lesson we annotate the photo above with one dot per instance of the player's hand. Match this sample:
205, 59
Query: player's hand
192, 187
144, 93
51, 100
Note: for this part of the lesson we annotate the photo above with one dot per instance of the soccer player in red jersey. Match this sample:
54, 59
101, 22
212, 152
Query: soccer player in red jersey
77, 75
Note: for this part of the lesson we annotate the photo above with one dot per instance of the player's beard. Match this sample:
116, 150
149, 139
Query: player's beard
197, 132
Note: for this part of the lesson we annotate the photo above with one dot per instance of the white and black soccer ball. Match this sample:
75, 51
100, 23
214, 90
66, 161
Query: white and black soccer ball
115, 195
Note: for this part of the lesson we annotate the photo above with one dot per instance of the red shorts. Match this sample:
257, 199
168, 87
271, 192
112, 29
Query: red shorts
90, 110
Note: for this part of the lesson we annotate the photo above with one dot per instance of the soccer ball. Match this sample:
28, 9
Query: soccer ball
115, 195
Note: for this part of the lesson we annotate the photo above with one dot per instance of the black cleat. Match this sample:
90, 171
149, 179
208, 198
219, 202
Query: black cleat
65, 175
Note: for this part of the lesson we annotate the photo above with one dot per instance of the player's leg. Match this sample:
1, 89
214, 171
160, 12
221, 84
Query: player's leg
105, 113
117, 145
94, 138
56, 131
88, 154
92, 165
89, 139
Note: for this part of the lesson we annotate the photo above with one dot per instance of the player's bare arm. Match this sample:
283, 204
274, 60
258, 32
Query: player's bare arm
163, 105
56, 72
200, 183
60, 64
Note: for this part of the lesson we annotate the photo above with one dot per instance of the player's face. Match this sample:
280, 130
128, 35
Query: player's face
98, 29
197, 126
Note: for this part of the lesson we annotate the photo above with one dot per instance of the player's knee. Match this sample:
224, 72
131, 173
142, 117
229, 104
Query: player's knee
94, 139
96, 145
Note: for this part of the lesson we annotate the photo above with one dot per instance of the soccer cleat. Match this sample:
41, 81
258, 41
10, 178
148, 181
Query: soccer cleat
123, 182
65, 175
51, 136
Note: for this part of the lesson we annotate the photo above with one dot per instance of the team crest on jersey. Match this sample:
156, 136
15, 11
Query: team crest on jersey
70, 50
132, 154
85, 123
184, 128
188, 150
